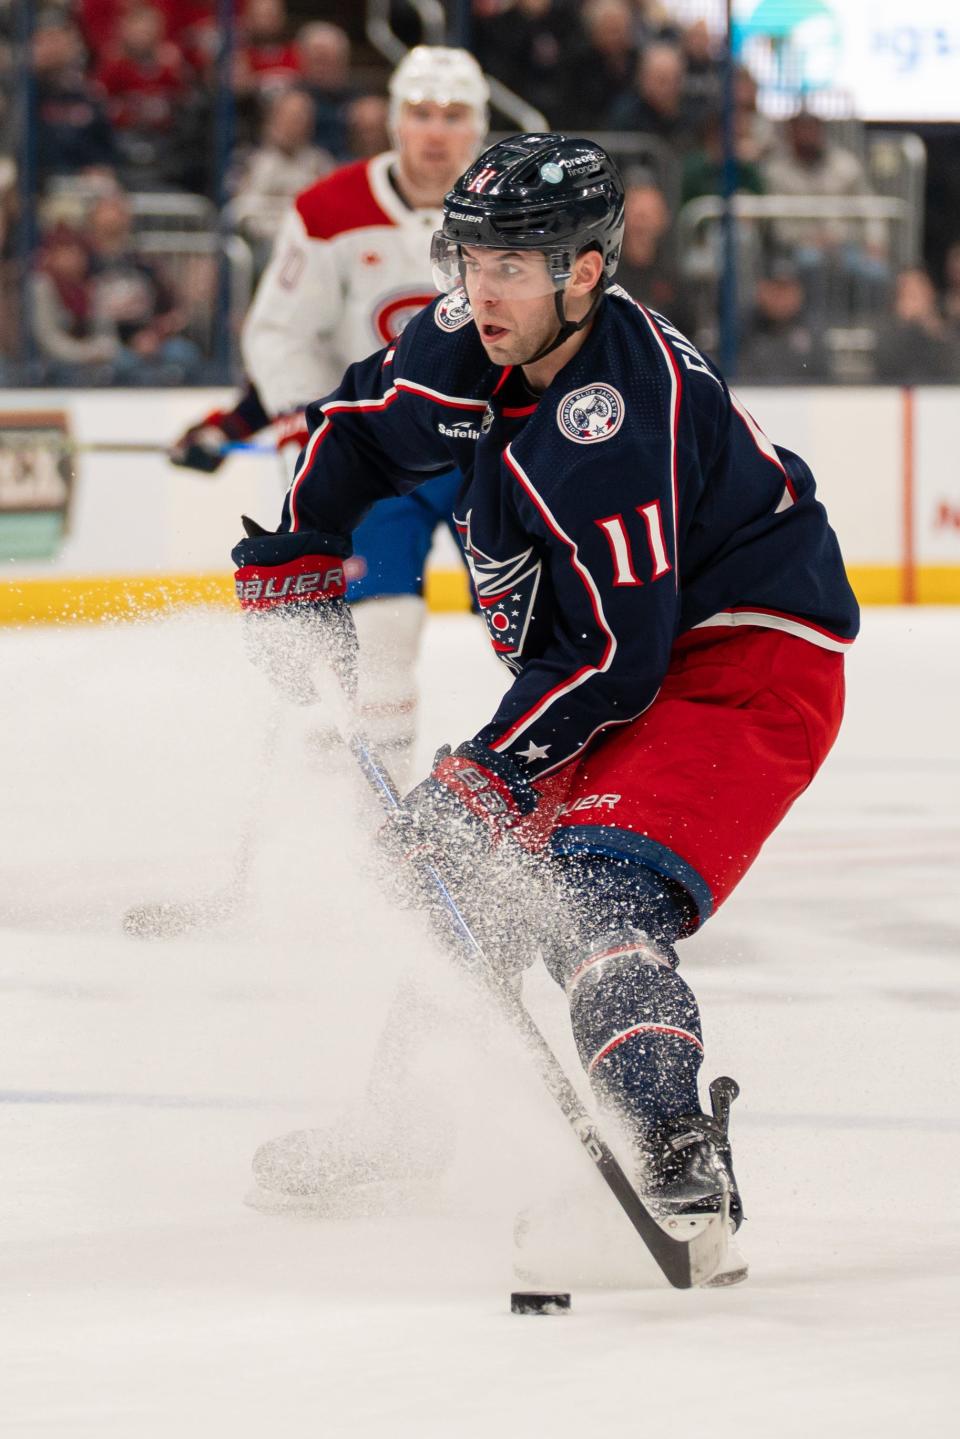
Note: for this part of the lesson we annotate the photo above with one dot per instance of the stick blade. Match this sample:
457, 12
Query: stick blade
168, 919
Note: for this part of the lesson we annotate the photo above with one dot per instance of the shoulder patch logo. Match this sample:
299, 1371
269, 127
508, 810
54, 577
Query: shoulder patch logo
453, 311
591, 414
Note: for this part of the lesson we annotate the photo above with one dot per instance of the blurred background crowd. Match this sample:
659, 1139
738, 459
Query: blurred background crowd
148, 149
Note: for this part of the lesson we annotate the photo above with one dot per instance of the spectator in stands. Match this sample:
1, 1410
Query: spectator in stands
703, 72
143, 73
285, 162
323, 51
915, 345
68, 333
703, 167
148, 87
186, 20
533, 47
656, 106
648, 268
812, 165
133, 301
9, 306
604, 67
951, 296
780, 343
265, 59
368, 127
758, 135
70, 125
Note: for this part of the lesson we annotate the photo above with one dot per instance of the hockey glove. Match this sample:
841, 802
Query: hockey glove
291, 431
204, 446
465, 805
291, 589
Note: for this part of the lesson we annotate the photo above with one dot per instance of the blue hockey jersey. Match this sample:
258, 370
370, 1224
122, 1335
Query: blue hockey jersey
632, 501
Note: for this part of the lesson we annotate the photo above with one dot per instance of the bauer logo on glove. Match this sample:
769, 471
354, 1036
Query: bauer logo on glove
304, 579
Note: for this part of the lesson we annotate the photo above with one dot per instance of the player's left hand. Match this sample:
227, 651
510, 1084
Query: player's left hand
291, 431
467, 803
291, 589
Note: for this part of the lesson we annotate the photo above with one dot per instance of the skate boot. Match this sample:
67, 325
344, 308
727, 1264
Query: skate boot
688, 1174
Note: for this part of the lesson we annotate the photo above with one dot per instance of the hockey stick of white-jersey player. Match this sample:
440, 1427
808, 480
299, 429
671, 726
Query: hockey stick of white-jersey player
684, 1262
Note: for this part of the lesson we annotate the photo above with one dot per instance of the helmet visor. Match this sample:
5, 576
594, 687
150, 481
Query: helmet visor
494, 273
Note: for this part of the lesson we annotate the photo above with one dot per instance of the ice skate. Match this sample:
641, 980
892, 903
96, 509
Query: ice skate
687, 1175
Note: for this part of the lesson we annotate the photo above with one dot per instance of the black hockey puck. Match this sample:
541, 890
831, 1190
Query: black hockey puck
538, 1303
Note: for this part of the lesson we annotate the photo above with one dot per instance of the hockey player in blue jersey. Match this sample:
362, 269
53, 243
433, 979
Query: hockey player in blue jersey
659, 578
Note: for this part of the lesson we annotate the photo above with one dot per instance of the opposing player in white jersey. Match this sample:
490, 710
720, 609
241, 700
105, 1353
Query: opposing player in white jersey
350, 266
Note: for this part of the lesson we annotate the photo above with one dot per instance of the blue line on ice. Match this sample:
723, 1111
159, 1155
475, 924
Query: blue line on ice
917, 1123
144, 1101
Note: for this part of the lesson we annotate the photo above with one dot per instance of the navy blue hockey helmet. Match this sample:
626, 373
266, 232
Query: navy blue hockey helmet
554, 193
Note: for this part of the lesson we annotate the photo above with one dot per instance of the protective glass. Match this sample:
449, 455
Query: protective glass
492, 274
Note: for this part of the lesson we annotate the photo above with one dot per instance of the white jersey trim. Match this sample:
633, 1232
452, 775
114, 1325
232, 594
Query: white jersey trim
770, 620
378, 178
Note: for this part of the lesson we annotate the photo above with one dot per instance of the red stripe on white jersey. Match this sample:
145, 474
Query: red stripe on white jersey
618, 1039
776, 620
585, 672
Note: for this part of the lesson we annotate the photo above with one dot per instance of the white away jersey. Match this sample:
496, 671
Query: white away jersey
350, 266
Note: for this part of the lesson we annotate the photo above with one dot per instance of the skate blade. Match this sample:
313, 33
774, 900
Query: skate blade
733, 1270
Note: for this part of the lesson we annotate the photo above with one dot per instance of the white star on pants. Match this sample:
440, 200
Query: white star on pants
534, 752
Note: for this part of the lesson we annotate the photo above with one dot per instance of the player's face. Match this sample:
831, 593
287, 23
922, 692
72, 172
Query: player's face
511, 294
436, 142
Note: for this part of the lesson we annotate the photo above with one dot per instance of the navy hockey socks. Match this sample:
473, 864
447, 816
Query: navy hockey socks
635, 1021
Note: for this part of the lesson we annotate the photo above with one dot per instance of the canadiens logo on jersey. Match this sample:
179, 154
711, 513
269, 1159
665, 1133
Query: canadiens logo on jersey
591, 414
397, 310
506, 591
453, 311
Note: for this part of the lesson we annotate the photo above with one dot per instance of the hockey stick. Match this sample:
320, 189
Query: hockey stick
683, 1262
166, 919
62, 444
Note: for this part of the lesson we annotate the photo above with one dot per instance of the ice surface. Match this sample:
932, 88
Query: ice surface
139, 1297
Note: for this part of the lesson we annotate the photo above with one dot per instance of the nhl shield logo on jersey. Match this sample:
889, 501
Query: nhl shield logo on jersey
453, 311
593, 413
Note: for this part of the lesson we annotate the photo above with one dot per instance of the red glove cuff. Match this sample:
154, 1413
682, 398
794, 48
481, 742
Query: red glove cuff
307, 578
291, 429
232, 424
479, 790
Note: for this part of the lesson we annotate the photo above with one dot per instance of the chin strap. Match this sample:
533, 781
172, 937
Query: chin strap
567, 327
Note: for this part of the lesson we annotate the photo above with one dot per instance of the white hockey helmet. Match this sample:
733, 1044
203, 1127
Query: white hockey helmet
445, 75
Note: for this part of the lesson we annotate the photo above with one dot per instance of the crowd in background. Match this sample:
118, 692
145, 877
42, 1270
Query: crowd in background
124, 105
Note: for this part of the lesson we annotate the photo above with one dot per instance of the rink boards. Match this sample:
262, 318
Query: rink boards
86, 531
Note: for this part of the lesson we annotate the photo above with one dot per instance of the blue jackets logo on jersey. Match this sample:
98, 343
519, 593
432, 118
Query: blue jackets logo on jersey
506, 590
593, 413
453, 311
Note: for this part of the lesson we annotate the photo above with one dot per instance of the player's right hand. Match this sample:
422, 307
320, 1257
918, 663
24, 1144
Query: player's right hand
291, 589
203, 447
